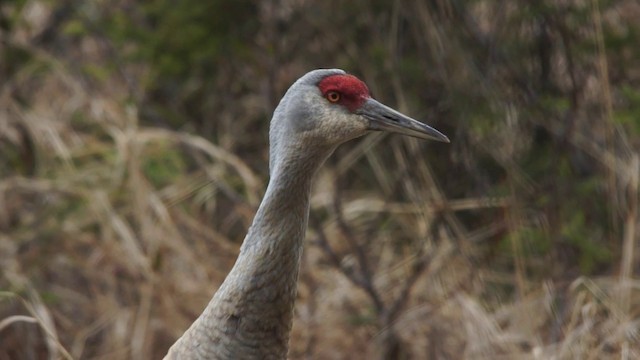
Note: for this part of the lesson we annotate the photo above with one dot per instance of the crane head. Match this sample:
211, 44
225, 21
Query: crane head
353, 95
330, 106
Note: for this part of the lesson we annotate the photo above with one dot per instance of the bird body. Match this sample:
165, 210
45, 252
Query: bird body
250, 316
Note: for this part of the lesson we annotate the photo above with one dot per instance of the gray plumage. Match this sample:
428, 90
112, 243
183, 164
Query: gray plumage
250, 316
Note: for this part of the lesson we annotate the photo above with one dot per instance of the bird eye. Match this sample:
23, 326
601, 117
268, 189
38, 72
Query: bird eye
333, 96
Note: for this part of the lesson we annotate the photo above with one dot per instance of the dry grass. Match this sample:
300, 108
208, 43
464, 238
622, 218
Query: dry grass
105, 257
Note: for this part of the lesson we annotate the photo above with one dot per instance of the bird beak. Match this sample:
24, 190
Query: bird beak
384, 118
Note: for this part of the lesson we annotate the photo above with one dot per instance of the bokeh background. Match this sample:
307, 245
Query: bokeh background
133, 156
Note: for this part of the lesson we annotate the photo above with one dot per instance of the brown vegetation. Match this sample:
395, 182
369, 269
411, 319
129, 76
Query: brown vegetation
128, 178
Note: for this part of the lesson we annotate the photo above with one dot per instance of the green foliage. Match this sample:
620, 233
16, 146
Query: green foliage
10, 12
591, 252
183, 45
628, 114
362, 318
11, 160
569, 201
50, 298
181, 40
97, 72
162, 164
12, 60
74, 28
538, 242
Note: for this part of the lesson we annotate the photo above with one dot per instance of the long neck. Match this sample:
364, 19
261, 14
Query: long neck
251, 314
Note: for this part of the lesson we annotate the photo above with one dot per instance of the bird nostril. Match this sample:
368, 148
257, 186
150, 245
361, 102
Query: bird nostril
389, 117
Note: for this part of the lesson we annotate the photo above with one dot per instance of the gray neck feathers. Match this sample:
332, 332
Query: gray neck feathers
250, 315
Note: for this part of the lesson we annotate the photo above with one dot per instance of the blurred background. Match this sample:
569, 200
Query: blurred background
133, 156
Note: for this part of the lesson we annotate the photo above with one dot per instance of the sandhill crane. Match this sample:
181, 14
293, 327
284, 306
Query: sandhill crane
250, 315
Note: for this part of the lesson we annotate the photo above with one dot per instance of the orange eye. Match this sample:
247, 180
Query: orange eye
333, 96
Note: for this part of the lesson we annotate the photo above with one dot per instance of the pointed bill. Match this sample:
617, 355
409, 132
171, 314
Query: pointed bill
384, 118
